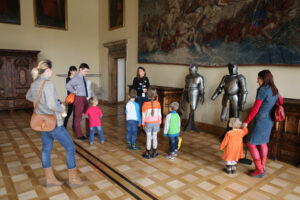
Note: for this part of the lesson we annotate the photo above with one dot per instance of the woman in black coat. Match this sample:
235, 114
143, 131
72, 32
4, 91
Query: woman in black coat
141, 84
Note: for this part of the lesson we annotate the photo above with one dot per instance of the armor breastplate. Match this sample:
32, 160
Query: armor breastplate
231, 86
192, 82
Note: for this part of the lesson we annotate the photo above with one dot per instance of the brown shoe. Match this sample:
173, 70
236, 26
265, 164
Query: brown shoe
51, 179
74, 180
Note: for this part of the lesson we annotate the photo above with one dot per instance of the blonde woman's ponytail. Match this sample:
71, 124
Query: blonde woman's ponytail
41, 68
34, 73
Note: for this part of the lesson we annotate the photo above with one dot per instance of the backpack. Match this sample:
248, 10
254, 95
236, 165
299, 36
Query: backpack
279, 114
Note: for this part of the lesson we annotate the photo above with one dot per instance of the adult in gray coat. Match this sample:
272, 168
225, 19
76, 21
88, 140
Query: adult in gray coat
49, 105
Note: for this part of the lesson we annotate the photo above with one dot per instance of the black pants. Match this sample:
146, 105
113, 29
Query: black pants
70, 110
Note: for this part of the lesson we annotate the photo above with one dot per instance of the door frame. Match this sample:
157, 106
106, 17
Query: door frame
116, 49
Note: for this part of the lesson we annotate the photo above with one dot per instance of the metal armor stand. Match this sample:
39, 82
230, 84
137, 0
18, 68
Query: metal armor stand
191, 124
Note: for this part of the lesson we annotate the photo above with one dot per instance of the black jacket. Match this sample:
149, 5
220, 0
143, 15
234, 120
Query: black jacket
138, 85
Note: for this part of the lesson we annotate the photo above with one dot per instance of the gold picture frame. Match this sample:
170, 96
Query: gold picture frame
116, 14
51, 14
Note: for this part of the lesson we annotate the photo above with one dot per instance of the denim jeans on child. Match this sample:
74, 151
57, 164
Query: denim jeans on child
100, 134
132, 127
173, 142
62, 136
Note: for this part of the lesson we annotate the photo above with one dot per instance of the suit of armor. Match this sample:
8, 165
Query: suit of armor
193, 93
235, 93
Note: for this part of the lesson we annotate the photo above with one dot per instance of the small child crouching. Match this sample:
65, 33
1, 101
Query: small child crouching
94, 113
172, 129
233, 142
133, 120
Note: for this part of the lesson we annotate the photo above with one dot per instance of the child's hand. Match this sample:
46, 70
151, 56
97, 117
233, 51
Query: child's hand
245, 124
139, 125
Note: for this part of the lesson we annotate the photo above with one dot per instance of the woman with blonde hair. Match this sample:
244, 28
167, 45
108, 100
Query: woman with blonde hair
48, 104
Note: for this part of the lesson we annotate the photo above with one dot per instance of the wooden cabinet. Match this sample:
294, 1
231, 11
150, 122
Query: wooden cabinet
15, 77
285, 137
167, 95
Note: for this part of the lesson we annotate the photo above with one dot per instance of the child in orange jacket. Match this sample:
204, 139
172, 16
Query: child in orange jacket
234, 144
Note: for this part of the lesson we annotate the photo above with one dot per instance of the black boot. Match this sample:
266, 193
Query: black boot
155, 154
147, 154
134, 147
228, 169
233, 169
129, 145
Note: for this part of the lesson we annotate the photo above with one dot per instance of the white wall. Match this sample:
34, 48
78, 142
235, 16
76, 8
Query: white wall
286, 78
78, 44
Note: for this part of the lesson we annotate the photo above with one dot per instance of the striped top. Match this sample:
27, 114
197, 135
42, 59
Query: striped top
146, 112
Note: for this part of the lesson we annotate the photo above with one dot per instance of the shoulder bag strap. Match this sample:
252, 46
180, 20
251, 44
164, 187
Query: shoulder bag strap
39, 96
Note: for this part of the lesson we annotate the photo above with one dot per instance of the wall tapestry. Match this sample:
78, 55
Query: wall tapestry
217, 32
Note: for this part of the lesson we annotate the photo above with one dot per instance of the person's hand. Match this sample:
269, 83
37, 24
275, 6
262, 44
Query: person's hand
139, 125
62, 105
64, 114
245, 124
145, 90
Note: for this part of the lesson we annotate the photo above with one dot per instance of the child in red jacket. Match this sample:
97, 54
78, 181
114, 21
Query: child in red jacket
95, 115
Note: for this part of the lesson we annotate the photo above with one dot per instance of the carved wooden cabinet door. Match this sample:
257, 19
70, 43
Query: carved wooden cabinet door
15, 78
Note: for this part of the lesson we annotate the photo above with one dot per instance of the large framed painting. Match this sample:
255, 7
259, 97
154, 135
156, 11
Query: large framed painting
10, 11
217, 32
116, 14
51, 13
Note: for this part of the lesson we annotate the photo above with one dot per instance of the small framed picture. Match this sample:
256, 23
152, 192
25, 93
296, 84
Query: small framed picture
51, 13
10, 11
116, 14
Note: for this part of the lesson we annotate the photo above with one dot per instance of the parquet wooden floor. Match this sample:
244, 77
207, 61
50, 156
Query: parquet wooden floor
114, 172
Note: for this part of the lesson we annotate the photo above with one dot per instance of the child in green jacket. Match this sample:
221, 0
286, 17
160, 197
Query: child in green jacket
172, 129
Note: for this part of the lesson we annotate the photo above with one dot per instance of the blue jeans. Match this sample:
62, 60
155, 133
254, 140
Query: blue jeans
132, 127
62, 136
173, 142
100, 134
140, 100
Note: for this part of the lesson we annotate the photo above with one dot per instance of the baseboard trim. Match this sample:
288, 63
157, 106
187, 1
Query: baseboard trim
216, 130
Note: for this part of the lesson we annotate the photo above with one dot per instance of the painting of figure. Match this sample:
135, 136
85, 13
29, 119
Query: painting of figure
217, 32
10, 11
51, 13
116, 14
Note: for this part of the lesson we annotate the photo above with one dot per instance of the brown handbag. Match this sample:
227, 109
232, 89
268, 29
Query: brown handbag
42, 122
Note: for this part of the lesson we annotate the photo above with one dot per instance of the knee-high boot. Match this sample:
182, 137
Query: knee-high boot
264, 162
258, 172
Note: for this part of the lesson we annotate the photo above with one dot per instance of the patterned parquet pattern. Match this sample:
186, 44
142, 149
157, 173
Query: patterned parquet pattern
114, 172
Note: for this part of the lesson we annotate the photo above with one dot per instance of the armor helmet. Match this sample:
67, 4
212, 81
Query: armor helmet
193, 68
233, 69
